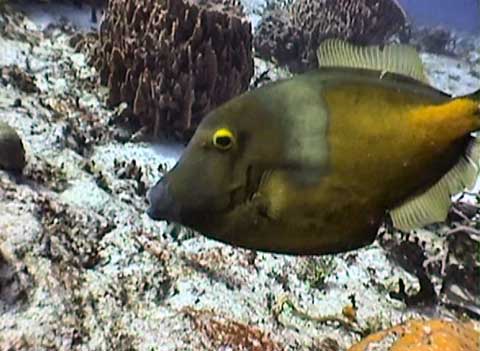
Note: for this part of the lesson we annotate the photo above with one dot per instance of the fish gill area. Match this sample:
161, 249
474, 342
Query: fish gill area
82, 267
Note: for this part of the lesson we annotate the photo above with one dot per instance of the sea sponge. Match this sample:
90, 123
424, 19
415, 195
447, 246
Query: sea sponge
418, 335
172, 61
292, 32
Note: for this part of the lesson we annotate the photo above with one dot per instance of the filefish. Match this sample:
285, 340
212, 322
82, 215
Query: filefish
316, 163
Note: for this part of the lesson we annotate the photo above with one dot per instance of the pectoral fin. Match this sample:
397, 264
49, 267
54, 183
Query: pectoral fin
283, 191
268, 201
433, 205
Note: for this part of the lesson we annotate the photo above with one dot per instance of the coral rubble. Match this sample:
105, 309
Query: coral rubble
173, 61
290, 33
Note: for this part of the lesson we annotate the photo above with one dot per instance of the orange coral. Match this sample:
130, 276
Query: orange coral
417, 335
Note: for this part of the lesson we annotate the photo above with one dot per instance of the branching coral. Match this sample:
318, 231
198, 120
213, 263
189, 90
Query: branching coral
291, 33
432, 335
172, 61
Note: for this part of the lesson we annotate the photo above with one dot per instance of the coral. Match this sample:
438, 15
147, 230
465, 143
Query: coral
43, 173
81, 128
223, 333
129, 182
411, 256
83, 131
291, 33
447, 264
277, 39
436, 40
15, 281
21, 80
70, 235
12, 152
326, 344
14, 343
315, 270
132, 171
173, 61
430, 335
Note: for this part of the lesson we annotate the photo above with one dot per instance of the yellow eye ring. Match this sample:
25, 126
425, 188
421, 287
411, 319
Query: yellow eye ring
223, 139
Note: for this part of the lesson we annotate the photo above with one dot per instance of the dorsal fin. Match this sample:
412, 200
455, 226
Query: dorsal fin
433, 205
393, 58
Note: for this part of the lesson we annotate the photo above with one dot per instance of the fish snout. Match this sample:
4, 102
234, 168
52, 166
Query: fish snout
162, 205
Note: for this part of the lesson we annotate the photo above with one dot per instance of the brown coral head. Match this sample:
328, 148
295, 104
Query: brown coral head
173, 61
292, 34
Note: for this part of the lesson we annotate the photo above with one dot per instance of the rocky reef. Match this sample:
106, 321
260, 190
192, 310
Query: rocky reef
173, 61
83, 268
291, 31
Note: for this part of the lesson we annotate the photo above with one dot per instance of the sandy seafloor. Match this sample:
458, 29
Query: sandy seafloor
138, 284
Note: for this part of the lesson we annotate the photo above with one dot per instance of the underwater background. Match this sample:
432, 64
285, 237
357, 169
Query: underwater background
458, 15
97, 101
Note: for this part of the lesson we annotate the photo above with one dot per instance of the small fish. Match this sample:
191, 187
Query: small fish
314, 164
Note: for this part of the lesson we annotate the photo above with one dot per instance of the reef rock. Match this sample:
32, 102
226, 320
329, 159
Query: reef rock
173, 61
290, 34
435, 40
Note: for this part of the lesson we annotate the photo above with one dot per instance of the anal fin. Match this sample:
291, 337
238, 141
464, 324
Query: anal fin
433, 205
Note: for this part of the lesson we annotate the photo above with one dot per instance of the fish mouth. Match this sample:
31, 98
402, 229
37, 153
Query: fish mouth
162, 205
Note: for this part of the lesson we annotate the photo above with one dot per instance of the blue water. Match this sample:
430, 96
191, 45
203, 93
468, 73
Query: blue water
462, 15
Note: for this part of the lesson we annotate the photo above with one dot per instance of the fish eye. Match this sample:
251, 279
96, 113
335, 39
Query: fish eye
223, 139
